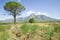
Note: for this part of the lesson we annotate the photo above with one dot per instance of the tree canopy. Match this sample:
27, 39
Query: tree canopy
14, 8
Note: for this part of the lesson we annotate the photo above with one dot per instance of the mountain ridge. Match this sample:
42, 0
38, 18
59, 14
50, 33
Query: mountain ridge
37, 18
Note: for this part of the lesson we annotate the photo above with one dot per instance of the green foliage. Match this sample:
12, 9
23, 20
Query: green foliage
50, 31
34, 29
29, 29
4, 28
4, 36
57, 28
25, 28
45, 32
14, 7
31, 20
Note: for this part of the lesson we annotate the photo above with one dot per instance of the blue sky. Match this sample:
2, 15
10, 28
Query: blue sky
49, 8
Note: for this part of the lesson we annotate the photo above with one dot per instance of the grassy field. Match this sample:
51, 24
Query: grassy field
30, 31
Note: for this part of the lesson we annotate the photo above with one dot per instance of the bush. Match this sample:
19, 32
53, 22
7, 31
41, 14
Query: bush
31, 20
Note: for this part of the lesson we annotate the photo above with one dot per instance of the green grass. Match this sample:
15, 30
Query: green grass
34, 29
4, 28
49, 31
3, 32
57, 28
28, 28
4, 36
25, 28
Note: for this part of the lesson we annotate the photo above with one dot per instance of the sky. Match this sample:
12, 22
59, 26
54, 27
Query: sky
49, 8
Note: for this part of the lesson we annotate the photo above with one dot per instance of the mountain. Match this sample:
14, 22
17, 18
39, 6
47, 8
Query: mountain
37, 18
42, 18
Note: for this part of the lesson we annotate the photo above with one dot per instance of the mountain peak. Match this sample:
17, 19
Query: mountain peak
38, 18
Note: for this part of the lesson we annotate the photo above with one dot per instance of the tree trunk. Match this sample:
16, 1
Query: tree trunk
14, 17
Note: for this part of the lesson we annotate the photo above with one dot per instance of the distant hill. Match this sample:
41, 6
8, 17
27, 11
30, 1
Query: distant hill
42, 18
37, 18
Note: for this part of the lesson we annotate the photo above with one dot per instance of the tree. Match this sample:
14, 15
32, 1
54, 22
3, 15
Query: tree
14, 8
31, 20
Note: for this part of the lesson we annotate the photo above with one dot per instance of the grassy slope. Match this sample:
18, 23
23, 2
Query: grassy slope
44, 32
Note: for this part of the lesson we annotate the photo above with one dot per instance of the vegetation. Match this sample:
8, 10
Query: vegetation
14, 8
3, 32
31, 20
57, 28
50, 31
24, 29
28, 29
33, 31
4, 36
4, 28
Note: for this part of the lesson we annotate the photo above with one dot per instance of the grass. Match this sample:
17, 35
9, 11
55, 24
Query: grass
28, 28
57, 28
49, 31
3, 32
34, 29
25, 28
4, 36
4, 28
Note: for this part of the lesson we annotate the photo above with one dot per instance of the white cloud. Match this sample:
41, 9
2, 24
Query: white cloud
30, 12
36, 13
40, 13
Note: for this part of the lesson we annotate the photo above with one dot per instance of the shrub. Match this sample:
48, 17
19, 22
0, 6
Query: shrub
31, 20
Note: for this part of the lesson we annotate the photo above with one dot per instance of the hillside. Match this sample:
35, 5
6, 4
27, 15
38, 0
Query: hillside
37, 18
